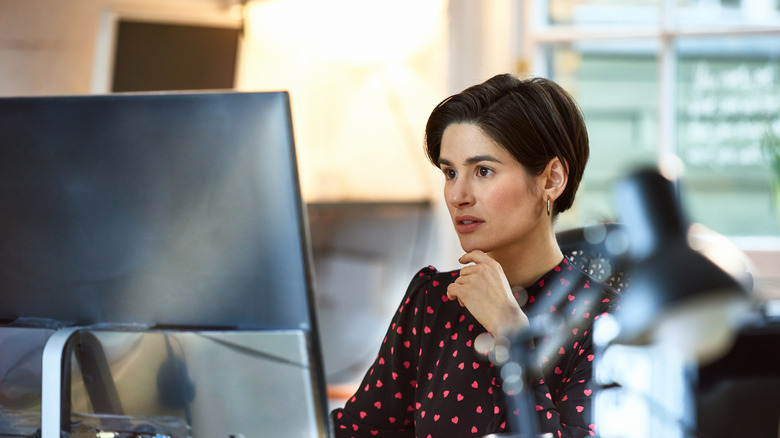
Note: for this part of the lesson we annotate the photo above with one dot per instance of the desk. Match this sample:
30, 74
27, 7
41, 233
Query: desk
203, 383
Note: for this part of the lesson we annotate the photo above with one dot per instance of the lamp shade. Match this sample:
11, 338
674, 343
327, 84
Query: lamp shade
676, 295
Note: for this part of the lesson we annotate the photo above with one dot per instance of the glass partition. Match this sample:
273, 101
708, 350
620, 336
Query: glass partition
176, 384
20, 385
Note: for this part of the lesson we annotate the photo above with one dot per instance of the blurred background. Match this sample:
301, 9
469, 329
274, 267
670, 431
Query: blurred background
692, 86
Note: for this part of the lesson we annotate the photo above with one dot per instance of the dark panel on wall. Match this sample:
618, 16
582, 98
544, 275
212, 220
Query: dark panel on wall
155, 57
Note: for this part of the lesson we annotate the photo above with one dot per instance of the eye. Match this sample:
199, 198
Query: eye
449, 173
484, 171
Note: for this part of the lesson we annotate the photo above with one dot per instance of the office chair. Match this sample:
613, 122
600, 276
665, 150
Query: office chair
601, 251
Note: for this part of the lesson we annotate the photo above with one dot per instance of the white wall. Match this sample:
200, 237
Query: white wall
46, 47
363, 77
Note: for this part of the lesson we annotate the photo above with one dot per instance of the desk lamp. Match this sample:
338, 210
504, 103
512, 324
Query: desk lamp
676, 296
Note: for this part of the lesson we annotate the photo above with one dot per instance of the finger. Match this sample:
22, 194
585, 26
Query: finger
452, 292
475, 256
488, 266
466, 271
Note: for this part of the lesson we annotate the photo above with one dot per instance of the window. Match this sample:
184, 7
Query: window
698, 80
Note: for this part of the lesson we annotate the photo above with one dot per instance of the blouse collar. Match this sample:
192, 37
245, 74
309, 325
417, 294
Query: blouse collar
549, 284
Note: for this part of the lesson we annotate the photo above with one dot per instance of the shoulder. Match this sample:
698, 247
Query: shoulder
429, 281
430, 276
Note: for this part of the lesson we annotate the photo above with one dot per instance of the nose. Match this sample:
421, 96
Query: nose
459, 194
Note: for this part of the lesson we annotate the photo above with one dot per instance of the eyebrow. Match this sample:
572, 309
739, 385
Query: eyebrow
471, 160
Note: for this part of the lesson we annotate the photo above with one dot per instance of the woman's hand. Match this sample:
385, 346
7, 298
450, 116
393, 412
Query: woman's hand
484, 290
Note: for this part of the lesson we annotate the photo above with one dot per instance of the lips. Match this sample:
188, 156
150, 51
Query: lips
467, 224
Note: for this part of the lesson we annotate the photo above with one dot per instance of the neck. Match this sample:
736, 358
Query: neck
525, 263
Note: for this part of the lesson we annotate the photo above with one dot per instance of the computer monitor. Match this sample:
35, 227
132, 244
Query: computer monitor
165, 211
175, 210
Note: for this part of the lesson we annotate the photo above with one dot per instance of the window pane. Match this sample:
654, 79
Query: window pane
701, 12
729, 12
728, 99
620, 12
616, 87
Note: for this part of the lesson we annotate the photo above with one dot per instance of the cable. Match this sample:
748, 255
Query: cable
252, 351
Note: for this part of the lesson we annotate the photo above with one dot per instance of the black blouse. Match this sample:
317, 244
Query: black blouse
428, 380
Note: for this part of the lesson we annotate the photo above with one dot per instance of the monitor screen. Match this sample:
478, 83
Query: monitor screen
166, 210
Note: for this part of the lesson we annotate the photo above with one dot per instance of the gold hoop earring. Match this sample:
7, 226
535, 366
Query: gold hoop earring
549, 209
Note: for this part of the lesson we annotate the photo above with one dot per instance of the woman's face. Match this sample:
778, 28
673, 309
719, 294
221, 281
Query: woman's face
494, 204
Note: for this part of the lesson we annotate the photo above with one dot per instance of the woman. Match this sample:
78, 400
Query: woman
512, 153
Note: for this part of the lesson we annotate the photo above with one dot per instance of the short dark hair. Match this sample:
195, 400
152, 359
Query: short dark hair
533, 119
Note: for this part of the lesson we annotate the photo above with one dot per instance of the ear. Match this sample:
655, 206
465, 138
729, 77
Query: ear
555, 178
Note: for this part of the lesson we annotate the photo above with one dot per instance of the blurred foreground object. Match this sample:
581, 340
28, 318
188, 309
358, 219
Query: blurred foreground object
678, 296
687, 296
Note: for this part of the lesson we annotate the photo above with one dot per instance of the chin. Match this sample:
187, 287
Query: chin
468, 246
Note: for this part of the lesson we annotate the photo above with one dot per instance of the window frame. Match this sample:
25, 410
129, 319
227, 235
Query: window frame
536, 32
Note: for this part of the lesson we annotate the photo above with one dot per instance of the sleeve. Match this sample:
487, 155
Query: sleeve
383, 404
570, 412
